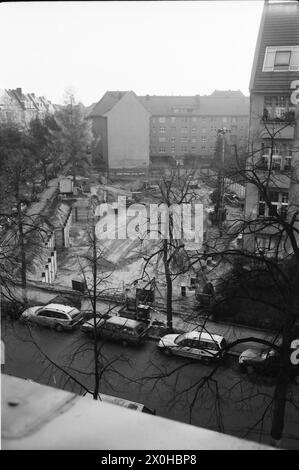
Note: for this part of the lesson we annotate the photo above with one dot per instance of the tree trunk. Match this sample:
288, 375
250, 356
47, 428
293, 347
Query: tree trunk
168, 287
22, 248
94, 311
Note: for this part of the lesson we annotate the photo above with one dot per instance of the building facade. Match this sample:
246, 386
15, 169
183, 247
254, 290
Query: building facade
274, 132
20, 107
185, 128
120, 125
166, 129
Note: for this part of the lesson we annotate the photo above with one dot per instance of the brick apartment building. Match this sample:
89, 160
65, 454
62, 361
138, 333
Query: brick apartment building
274, 121
174, 128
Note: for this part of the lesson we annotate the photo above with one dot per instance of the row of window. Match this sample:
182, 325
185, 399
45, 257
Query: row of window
184, 149
194, 130
173, 119
182, 139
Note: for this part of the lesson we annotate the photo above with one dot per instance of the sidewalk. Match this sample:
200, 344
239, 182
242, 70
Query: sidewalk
37, 207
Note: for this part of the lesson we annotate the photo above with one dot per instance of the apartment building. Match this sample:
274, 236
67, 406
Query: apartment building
175, 128
274, 123
17, 106
185, 128
120, 126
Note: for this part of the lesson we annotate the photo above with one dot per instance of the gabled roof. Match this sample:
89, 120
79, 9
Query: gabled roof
106, 103
279, 27
220, 102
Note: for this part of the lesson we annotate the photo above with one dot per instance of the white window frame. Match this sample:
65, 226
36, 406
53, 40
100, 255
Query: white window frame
270, 54
162, 120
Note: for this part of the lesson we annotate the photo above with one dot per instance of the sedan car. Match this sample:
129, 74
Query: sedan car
195, 344
259, 359
114, 327
57, 316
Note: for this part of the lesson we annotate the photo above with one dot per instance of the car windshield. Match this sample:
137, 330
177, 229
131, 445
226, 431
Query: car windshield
180, 338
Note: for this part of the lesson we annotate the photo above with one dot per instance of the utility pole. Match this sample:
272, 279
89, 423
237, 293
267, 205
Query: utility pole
220, 207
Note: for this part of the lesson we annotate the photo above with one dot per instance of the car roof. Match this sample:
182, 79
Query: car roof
116, 320
204, 336
59, 308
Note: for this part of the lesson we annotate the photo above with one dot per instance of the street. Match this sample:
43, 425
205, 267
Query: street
229, 402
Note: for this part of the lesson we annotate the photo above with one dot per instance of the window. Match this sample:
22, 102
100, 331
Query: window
172, 139
45, 313
162, 150
287, 163
279, 203
162, 139
184, 130
203, 139
193, 130
276, 107
162, 119
184, 148
193, 141
173, 119
173, 129
184, 139
173, 148
193, 149
282, 58
154, 130
266, 244
59, 315
162, 130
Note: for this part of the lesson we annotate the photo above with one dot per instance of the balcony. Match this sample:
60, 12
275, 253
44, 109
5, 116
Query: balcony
278, 123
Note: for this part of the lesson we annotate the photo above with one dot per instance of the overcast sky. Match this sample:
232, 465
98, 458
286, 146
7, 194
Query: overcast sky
182, 47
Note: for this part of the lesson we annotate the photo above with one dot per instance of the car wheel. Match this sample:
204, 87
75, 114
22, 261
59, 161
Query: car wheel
58, 328
167, 352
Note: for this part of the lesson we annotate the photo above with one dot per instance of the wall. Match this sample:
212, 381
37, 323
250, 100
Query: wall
128, 134
100, 149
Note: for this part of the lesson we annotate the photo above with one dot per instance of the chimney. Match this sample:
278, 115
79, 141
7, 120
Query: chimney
19, 91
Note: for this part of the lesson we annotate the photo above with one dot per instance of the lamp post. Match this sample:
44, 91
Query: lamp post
220, 209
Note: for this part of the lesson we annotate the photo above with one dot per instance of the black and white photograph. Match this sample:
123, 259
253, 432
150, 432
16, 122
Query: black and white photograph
149, 229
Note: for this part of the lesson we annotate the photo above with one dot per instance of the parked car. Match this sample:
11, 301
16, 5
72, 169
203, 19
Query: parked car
195, 344
131, 405
259, 359
117, 328
57, 316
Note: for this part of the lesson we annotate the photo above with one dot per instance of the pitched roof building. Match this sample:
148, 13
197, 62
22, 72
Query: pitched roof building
15, 105
274, 126
182, 127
